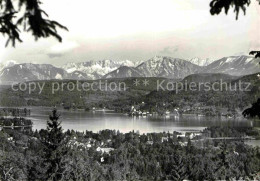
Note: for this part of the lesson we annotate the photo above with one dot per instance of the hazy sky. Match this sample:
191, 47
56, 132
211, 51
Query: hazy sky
138, 30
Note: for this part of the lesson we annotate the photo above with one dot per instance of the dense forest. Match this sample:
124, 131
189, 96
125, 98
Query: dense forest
135, 95
55, 154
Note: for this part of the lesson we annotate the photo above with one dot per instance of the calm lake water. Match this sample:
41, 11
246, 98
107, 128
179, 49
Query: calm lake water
99, 120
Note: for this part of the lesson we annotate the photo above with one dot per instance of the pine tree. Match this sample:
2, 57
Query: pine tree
54, 142
29, 16
178, 170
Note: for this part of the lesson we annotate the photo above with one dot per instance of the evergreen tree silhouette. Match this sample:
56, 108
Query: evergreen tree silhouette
54, 142
28, 14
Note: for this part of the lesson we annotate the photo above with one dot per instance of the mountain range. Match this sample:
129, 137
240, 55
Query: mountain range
29, 72
158, 66
96, 69
234, 65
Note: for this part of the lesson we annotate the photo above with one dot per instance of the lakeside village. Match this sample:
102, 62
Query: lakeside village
164, 110
105, 145
194, 110
13, 119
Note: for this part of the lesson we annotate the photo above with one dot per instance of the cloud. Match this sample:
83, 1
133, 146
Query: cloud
169, 50
64, 47
240, 53
254, 46
60, 49
54, 55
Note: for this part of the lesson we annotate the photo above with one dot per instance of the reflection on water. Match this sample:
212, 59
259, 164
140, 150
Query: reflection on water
99, 120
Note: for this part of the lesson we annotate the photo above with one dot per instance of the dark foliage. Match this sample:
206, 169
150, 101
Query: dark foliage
217, 6
253, 111
32, 20
132, 156
256, 53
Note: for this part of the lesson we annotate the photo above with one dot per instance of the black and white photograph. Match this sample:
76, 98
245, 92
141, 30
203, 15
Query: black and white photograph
129, 90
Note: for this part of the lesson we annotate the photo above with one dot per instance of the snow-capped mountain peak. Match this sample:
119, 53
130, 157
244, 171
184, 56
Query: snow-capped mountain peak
29, 71
162, 66
8, 63
201, 62
100, 67
158, 66
97, 69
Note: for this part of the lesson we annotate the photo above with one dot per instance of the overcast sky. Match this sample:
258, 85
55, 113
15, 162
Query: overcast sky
138, 30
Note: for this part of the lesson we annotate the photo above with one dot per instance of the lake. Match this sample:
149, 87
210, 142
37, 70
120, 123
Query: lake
99, 120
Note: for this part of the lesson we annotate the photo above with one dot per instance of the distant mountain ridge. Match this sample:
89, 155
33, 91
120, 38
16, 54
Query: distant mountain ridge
208, 77
158, 66
97, 69
28, 72
234, 65
123, 72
